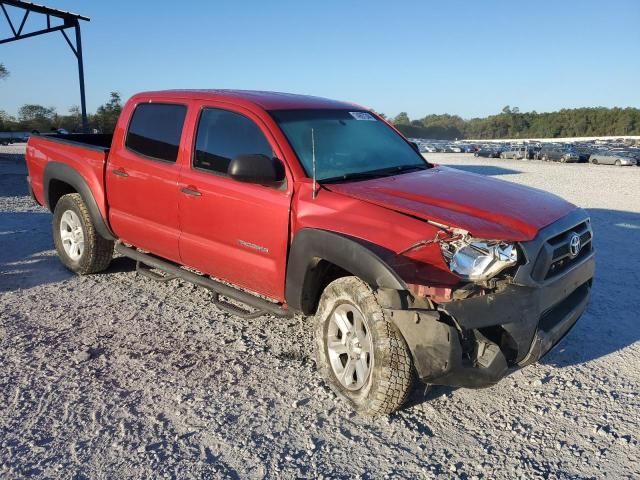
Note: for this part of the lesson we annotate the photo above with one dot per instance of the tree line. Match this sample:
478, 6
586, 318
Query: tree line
511, 123
45, 119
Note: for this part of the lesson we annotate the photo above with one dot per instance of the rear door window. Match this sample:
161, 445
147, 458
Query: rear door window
155, 130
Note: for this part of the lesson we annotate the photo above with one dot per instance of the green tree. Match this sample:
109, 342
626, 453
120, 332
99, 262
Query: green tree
512, 123
107, 115
72, 122
36, 117
4, 73
402, 119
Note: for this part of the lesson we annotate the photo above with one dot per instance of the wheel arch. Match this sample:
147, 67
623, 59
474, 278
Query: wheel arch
317, 257
60, 179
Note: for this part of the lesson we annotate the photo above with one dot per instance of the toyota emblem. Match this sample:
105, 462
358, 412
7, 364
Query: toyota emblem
574, 245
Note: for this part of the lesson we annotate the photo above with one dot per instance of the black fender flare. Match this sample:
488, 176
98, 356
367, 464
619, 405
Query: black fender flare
311, 245
64, 173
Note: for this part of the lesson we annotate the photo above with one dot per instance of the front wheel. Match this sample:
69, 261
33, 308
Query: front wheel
360, 353
618, 163
80, 248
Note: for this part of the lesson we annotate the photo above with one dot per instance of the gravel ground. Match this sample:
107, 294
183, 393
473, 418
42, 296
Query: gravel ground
114, 376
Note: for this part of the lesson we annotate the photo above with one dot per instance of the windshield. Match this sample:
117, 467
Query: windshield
347, 144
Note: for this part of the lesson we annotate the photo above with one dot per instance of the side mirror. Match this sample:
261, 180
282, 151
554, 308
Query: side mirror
415, 146
256, 168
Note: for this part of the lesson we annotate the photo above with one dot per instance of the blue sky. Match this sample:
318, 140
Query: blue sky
469, 58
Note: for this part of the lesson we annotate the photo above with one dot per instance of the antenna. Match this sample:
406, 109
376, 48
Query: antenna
313, 163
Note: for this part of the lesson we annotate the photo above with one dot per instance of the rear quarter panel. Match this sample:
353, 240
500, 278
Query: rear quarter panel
88, 162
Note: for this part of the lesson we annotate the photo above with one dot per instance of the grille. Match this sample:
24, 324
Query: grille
561, 256
555, 256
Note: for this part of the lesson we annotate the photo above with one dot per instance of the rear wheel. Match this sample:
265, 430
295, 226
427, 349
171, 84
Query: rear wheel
594, 161
618, 163
80, 248
360, 353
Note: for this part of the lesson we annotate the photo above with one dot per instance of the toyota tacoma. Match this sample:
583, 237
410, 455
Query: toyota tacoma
286, 204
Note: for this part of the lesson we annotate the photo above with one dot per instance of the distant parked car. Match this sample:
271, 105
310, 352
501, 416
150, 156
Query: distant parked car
584, 153
514, 152
487, 152
446, 149
533, 152
455, 149
428, 148
612, 158
558, 153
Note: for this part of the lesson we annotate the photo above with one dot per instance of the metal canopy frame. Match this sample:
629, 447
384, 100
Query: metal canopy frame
69, 20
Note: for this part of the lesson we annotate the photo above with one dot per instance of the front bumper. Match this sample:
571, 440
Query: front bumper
477, 341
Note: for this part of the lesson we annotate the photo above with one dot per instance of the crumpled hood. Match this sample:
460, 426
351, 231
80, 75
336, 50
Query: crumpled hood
486, 207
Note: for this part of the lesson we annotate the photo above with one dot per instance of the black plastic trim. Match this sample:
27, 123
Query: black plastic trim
75, 140
310, 246
66, 174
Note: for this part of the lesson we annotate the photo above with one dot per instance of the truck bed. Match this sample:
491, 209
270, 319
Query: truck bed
84, 154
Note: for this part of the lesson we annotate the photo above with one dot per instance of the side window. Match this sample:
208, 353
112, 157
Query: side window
223, 135
155, 129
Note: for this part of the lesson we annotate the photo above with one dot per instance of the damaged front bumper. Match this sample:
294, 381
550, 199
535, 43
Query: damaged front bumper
476, 341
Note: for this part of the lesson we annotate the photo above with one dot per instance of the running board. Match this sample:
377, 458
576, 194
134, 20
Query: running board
146, 262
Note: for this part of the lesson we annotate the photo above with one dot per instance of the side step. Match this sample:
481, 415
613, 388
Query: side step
145, 262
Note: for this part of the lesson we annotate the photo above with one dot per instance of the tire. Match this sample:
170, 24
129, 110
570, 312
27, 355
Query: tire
618, 163
92, 253
594, 161
381, 365
563, 160
545, 158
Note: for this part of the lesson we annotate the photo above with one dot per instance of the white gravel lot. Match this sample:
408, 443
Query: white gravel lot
114, 376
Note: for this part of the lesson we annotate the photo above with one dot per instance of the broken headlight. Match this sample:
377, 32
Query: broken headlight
478, 260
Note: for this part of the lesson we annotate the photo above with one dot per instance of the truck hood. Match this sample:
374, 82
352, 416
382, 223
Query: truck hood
486, 207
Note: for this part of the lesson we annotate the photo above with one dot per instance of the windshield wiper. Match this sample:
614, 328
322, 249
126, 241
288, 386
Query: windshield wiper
354, 176
383, 172
407, 168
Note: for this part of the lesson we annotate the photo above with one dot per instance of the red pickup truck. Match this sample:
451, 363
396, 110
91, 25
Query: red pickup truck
283, 204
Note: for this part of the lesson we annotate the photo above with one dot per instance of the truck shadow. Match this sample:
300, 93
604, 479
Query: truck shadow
423, 393
611, 322
27, 256
13, 185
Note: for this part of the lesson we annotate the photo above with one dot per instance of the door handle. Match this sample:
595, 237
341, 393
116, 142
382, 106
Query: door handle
119, 172
190, 191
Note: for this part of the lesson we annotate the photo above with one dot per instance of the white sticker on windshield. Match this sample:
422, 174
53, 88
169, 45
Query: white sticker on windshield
363, 116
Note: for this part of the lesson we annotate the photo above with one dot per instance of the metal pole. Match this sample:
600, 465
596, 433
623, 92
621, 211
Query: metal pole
83, 101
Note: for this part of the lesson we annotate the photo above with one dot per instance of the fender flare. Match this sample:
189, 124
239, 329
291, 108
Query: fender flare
66, 174
311, 245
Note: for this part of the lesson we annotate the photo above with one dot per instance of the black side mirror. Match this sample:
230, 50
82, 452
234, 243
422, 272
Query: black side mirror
256, 168
415, 146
